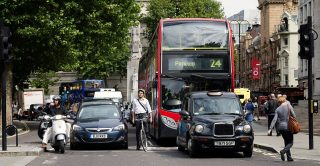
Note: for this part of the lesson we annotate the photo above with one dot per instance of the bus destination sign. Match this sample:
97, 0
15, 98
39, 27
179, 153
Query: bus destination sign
194, 63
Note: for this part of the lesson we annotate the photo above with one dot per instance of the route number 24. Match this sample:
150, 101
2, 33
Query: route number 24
216, 63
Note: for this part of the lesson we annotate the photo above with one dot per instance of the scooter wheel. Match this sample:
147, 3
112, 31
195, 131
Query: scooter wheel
61, 146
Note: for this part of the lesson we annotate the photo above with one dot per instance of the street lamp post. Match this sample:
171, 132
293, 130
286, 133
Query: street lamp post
239, 22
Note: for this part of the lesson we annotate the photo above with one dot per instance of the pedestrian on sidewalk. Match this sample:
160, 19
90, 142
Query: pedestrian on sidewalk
249, 108
20, 113
282, 116
270, 109
256, 108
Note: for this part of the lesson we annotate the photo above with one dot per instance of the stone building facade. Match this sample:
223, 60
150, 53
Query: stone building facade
310, 8
269, 47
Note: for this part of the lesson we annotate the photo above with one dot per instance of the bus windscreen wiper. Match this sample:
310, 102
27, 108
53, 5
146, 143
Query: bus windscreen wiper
171, 76
232, 113
200, 76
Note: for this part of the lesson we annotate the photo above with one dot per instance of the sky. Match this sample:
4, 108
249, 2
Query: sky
232, 7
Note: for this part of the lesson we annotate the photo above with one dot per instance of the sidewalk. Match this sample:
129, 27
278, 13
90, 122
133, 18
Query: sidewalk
300, 149
23, 148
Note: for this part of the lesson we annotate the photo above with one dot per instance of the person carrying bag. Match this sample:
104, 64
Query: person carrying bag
282, 115
293, 124
141, 108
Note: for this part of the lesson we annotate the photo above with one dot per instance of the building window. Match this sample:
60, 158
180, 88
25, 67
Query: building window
304, 13
301, 15
286, 62
285, 41
295, 75
286, 80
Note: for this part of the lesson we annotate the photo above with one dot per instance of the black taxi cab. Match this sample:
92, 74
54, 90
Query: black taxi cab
213, 120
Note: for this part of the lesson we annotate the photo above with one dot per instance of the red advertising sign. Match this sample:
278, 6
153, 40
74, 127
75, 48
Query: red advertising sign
255, 69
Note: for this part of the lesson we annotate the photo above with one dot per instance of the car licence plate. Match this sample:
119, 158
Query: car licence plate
98, 136
224, 143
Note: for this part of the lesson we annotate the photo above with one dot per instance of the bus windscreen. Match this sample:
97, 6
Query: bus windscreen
195, 35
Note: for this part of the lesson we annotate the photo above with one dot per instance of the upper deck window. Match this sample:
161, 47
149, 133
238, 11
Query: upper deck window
195, 35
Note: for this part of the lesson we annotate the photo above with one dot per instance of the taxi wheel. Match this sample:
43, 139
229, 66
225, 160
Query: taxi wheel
248, 152
181, 148
191, 150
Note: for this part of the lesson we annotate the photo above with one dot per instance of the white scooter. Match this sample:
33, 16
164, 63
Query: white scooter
59, 135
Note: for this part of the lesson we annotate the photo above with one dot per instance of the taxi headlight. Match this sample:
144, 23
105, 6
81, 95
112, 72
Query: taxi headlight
239, 128
247, 128
199, 128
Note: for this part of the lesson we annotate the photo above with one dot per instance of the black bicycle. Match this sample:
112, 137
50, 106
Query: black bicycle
143, 141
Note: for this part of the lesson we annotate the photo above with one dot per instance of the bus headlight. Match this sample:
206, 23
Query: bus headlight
199, 128
247, 128
169, 122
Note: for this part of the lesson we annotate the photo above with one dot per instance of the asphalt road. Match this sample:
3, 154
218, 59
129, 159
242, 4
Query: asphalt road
164, 154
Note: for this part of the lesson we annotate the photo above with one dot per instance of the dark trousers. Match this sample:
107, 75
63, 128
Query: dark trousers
138, 127
288, 142
270, 118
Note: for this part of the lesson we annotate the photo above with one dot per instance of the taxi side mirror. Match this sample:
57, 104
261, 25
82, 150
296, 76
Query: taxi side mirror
184, 114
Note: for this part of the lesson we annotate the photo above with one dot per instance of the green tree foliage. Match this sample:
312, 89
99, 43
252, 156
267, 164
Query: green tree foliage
89, 36
44, 80
180, 9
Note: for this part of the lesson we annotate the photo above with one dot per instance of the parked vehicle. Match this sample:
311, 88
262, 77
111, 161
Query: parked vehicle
74, 92
115, 96
99, 122
243, 93
30, 97
212, 121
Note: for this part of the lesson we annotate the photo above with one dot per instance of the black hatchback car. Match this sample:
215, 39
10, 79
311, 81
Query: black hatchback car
213, 120
99, 122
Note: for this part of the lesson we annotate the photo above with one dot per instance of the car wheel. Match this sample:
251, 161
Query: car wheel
73, 146
191, 149
248, 152
125, 146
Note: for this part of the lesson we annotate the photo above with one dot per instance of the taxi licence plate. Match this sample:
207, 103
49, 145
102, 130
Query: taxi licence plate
98, 136
224, 143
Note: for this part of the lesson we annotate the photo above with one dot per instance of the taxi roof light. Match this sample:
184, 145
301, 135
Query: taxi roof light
214, 93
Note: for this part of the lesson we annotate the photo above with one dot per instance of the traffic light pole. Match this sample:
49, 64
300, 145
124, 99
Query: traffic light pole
310, 83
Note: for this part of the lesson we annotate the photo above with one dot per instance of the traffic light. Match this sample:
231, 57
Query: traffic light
5, 44
306, 40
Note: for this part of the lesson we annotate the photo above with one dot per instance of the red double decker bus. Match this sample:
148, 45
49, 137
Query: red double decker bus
184, 55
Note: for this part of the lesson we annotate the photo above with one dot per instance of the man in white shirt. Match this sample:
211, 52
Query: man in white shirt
141, 108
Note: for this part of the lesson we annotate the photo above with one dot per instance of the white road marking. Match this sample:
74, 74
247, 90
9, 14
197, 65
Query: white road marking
48, 162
